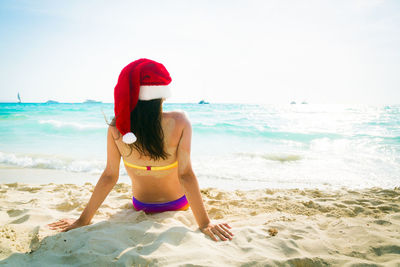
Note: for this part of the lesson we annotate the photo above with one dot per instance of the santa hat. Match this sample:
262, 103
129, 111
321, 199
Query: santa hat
142, 79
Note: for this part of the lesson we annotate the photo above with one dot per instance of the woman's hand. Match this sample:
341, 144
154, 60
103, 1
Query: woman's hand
65, 225
220, 230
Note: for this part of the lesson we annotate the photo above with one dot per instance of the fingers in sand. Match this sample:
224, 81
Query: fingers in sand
217, 232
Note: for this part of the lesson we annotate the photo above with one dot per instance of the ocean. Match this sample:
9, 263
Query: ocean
234, 146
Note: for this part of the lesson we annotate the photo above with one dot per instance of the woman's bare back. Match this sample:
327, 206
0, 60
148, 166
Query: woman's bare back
155, 186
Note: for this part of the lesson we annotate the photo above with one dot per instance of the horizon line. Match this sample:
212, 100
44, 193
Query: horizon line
246, 103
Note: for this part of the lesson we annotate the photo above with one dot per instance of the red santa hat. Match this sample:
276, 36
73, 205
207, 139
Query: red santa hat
142, 79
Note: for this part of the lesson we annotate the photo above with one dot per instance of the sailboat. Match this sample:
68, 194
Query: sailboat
19, 98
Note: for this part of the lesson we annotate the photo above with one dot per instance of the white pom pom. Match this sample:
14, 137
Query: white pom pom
129, 138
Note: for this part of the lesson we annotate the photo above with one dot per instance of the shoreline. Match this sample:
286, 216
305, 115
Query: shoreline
314, 227
11, 174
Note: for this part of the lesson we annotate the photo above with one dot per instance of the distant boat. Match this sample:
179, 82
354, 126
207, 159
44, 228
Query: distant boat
51, 102
203, 102
19, 98
90, 101
293, 102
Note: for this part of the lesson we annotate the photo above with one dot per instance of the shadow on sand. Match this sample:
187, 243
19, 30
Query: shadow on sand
125, 239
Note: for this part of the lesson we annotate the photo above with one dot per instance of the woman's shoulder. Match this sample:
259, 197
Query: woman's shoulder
179, 116
114, 132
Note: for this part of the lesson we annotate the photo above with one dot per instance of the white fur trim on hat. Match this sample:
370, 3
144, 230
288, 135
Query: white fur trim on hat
129, 138
149, 92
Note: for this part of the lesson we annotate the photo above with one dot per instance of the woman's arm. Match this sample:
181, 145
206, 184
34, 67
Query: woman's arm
106, 182
191, 188
103, 187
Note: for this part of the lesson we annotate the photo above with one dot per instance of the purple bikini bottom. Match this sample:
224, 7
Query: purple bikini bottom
179, 204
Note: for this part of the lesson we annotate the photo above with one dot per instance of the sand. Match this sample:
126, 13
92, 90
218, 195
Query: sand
290, 227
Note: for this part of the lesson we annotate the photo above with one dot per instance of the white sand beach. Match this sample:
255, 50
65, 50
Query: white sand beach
289, 227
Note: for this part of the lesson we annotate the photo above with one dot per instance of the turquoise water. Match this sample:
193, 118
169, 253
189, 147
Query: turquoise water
234, 145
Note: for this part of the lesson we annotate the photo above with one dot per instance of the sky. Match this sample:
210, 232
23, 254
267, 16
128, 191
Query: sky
267, 51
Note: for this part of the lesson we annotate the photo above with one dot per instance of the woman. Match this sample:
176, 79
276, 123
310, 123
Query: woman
155, 148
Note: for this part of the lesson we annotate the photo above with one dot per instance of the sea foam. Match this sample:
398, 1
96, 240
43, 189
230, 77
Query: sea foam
51, 162
76, 125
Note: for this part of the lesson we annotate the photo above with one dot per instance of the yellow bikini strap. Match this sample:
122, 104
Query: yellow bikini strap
152, 168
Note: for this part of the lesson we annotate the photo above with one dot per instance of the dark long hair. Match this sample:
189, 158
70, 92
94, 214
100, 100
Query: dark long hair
146, 125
